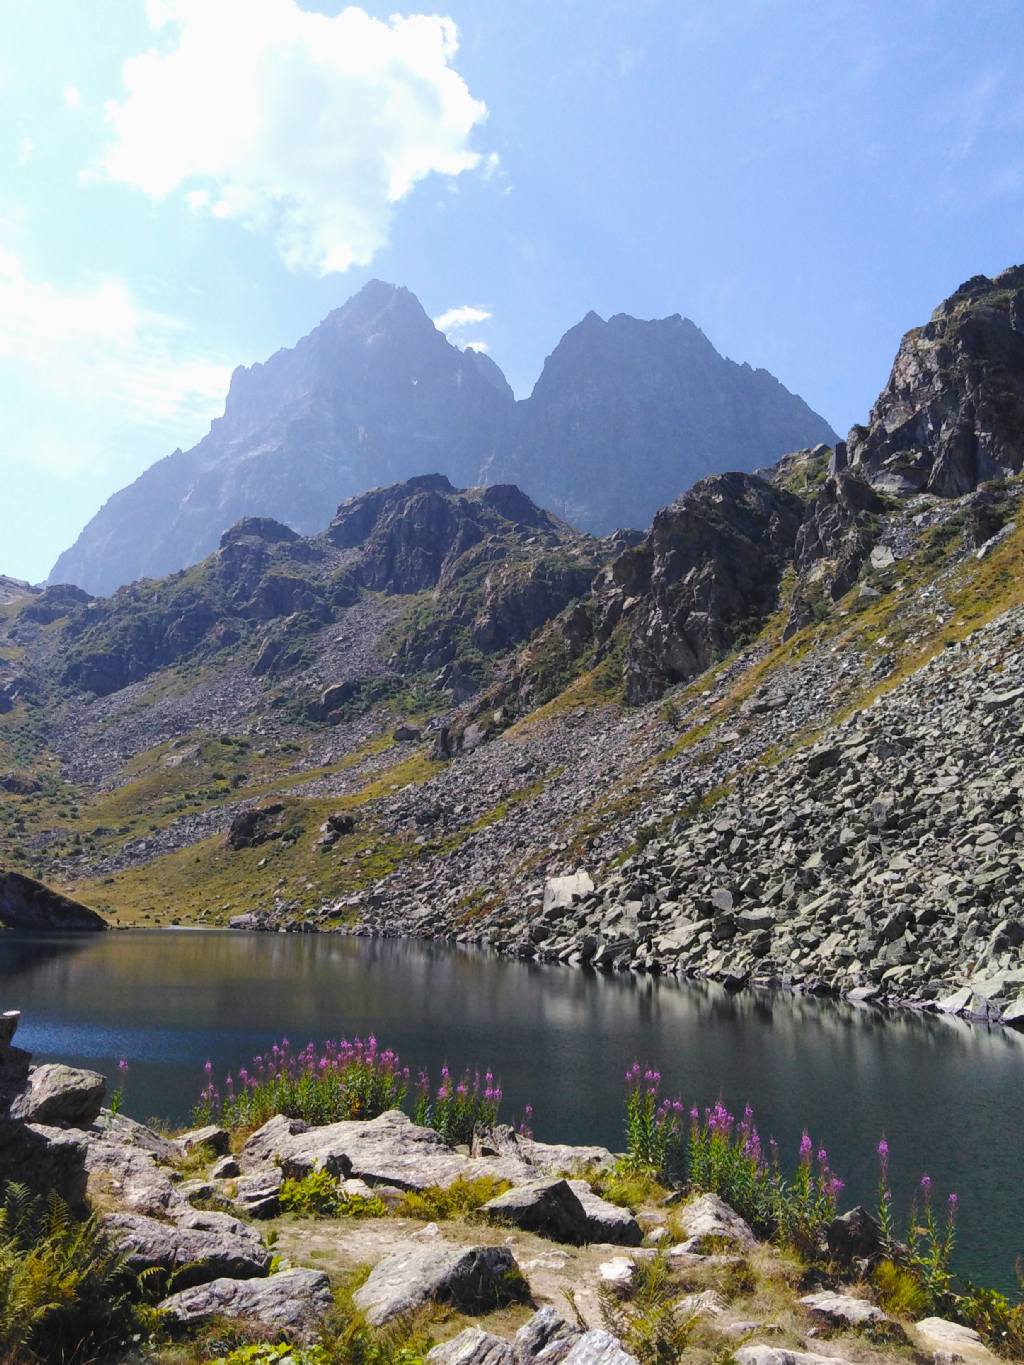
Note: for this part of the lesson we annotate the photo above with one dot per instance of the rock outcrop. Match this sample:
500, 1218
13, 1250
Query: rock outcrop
28, 904
952, 412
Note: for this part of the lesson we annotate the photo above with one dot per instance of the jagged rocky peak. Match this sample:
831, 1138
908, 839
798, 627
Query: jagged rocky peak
412, 534
628, 414
952, 413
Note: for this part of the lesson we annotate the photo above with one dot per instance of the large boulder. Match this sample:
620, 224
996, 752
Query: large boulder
948, 1341
250, 828
566, 1210
45, 1159
472, 1279
197, 1248
293, 1302
387, 1150
63, 1096
844, 1310
28, 904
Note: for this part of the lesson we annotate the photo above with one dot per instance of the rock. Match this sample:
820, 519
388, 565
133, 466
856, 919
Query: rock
778, 1355
123, 1166
63, 1096
619, 1271
545, 1338
126, 1132
217, 1139
406, 733
561, 892
882, 558
709, 1303
606, 1222
47, 1160
197, 1248
293, 1302
256, 826
226, 1168
387, 1150
844, 1310
854, 1236
549, 1207
708, 1220
28, 904
259, 1195
473, 1347
597, 1347
470, 1278
950, 1341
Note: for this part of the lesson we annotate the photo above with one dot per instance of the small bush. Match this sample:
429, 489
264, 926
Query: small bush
461, 1197
992, 1314
320, 1195
649, 1322
628, 1186
900, 1291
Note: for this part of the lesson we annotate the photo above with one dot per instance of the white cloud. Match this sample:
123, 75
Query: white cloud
465, 316
72, 97
475, 346
92, 368
303, 125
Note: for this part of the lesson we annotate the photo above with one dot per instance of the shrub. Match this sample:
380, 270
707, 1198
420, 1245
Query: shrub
319, 1194
992, 1314
462, 1196
63, 1286
629, 1186
648, 1321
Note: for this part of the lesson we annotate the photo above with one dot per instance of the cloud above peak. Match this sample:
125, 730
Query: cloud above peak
309, 127
455, 319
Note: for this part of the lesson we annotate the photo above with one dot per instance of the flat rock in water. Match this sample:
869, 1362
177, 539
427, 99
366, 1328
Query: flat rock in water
198, 1248
293, 1302
28, 904
60, 1095
470, 1278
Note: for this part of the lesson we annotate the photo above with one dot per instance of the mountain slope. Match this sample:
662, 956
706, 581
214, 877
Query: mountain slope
776, 740
625, 416
628, 414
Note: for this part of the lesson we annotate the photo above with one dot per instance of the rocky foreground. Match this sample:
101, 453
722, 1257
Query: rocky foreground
536, 1272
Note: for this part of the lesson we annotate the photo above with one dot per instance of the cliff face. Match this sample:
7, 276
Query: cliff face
952, 412
624, 418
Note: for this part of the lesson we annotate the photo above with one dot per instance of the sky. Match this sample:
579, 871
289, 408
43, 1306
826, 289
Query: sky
188, 185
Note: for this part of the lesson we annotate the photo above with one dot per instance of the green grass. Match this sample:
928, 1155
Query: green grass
436, 1204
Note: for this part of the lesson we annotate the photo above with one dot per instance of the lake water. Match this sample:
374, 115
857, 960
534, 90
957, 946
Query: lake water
948, 1096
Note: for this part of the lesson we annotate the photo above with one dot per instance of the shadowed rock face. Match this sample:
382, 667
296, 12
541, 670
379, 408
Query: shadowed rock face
710, 572
952, 413
28, 904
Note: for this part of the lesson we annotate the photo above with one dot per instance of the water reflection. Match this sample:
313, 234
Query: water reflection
947, 1095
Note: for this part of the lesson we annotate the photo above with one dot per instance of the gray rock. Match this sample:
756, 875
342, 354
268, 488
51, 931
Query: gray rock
759, 1354
469, 1278
28, 904
951, 1341
708, 1220
561, 892
387, 1150
549, 1207
546, 1338
844, 1310
197, 1248
597, 1347
606, 1222
473, 1347
45, 1159
259, 1195
225, 1168
61, 1096
214, 1137
293, 1302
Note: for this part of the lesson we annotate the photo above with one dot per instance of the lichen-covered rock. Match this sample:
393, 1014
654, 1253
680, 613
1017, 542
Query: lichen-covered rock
196, 1248
63, 1096
470, 1278
293, 1302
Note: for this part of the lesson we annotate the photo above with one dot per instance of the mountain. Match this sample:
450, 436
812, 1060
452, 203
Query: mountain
625, 416
774, 739
372, 395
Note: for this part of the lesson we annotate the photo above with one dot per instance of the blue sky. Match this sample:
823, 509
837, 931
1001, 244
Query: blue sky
186, 185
